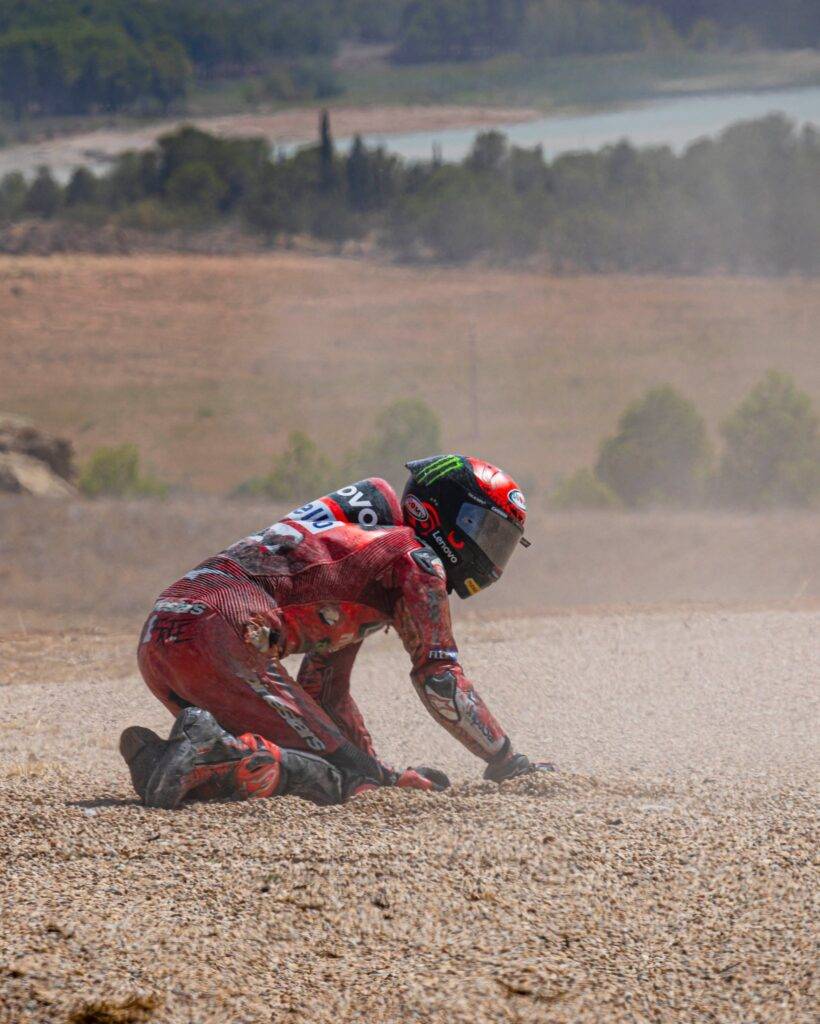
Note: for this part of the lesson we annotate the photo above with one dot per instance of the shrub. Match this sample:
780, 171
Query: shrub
299, 473
153, 215
660, 454
583, 490
772, 454
405, 429
115, 472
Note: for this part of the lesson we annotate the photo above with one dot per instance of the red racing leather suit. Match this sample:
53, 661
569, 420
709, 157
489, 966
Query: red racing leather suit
316, 583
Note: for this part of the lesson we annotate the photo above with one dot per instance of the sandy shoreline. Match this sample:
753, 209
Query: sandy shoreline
98, 148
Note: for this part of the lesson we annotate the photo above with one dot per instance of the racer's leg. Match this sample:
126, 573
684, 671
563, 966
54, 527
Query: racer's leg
201, 663
206, 664
202, 758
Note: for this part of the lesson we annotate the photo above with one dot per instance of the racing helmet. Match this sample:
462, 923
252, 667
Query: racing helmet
470, 513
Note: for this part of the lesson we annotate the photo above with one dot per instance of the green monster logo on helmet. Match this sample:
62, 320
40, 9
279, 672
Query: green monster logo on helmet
439, 468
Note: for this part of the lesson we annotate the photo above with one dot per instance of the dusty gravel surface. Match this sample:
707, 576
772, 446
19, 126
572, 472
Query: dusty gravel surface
666, 874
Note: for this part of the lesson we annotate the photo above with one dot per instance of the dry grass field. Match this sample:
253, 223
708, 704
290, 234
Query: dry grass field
208, 363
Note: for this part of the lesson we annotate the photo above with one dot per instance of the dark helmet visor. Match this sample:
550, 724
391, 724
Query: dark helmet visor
496, 536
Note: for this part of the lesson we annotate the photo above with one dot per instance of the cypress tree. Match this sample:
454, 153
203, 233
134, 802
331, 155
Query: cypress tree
327, 168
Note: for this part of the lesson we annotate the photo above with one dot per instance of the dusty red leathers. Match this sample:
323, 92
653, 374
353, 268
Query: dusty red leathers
316, 583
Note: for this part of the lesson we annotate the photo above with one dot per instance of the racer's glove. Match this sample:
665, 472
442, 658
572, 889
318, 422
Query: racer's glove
422, 777
517, 764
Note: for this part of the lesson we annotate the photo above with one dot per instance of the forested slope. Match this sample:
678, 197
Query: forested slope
71, 57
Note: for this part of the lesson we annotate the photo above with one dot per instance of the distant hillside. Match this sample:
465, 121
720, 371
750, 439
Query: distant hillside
73, 57
208, 364
789, 23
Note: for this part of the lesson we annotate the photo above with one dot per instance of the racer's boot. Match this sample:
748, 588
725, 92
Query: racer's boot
200, 754
204, 761
142, 749
315, 779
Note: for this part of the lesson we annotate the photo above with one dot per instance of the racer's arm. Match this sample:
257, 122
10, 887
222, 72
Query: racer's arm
421, 617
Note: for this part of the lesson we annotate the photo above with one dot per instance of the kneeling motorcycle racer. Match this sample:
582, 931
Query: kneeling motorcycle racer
317, 583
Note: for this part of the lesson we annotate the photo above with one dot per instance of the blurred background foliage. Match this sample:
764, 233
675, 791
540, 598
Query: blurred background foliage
747, 201
68, 57
662, 456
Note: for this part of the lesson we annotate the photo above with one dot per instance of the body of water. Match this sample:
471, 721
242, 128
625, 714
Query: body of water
674, 122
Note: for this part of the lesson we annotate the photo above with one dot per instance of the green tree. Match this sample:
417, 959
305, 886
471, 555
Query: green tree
359, 177
772, 454
170, 71
434, 30
265, 209
18, 73
660, 454
83, 189
556, 27
748, 201
197, 187
76, 66
133, 177
489, 153
101, 53
236, 164
332, 221
45, 196
327, 155
299, 473
104, 69
459, 215
304, 79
